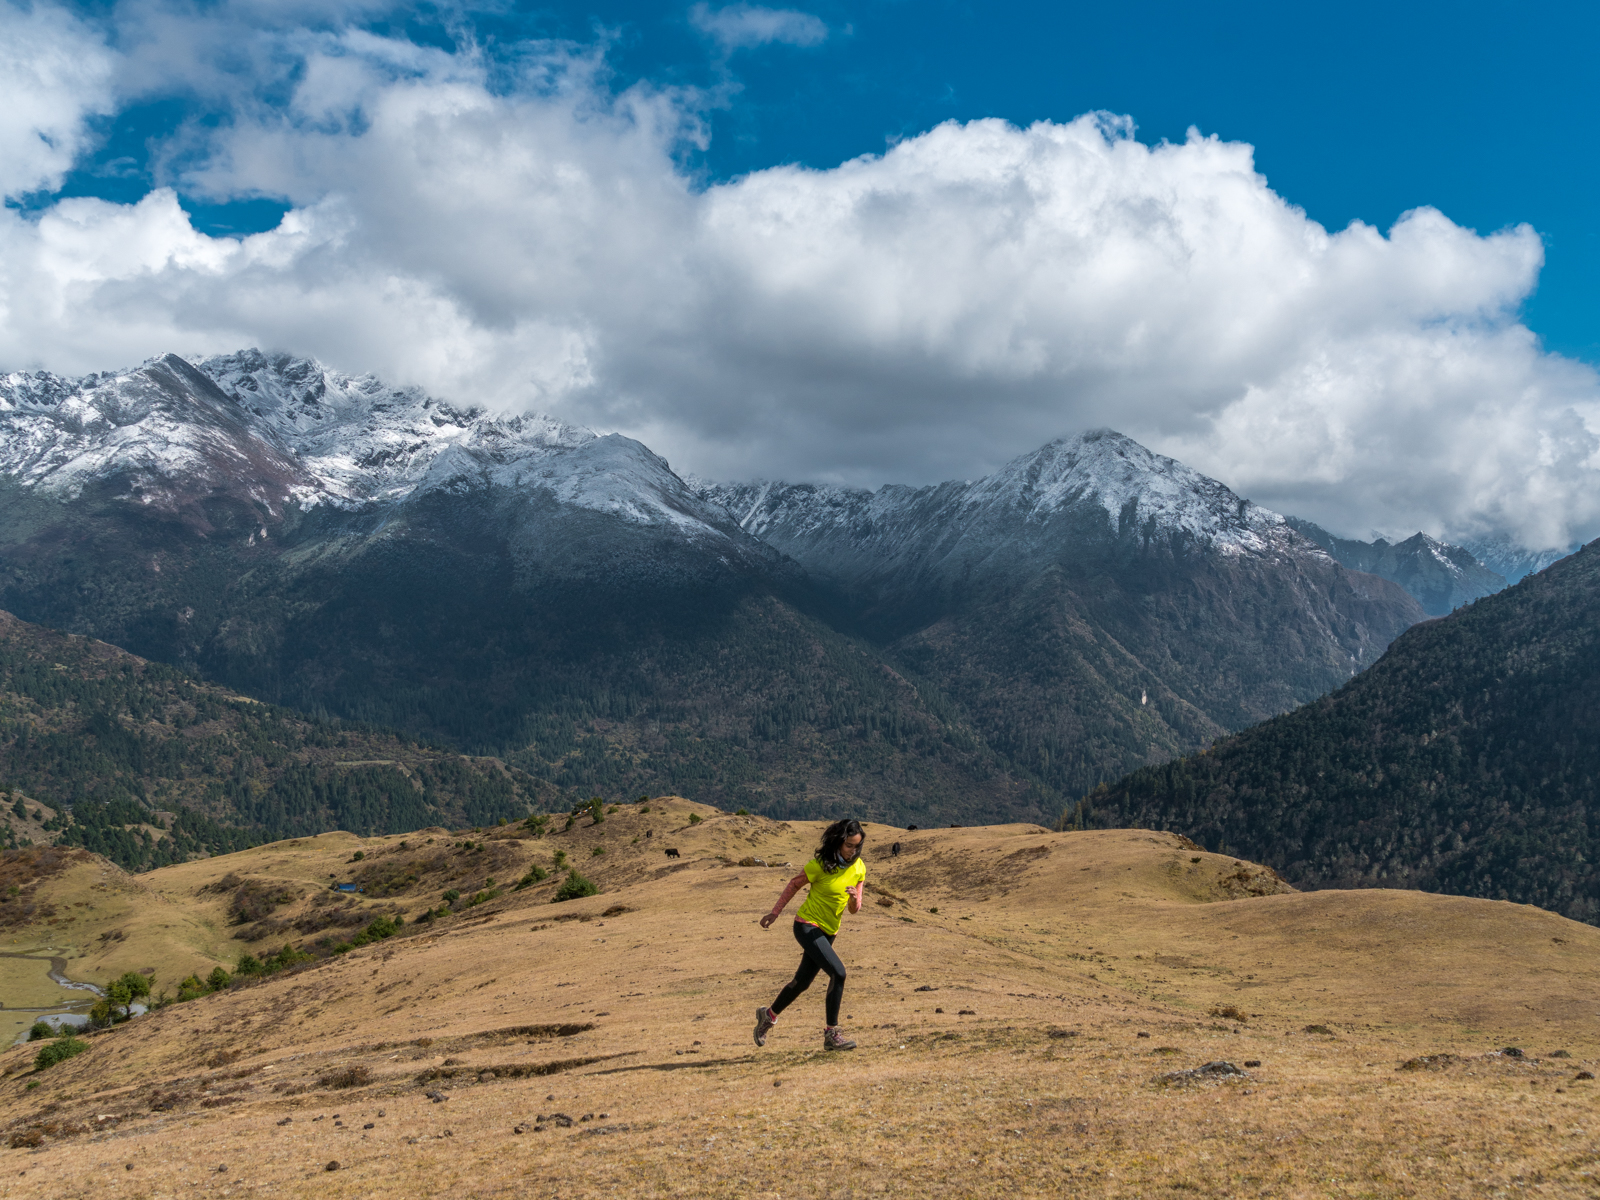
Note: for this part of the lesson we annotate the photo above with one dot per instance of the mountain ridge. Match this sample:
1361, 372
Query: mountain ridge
519, 587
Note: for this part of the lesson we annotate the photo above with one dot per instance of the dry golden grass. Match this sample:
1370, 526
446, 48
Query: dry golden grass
1064, 948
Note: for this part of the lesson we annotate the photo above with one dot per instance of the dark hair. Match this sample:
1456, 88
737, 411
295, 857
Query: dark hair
833, 838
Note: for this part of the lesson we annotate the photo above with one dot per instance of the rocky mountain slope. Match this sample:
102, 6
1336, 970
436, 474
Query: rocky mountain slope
1090, 603
1509, 559
518, 587
1466, 761
1441, 577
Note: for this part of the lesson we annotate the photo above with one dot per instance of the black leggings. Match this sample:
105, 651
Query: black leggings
817, 955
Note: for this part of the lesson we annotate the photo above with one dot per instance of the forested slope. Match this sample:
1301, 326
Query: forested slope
155, 766
1465, 761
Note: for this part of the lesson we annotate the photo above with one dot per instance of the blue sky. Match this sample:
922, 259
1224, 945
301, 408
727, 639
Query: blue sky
1343, 260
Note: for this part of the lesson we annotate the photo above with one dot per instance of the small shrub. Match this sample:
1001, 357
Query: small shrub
597, 810
571, 821
451, 896
218, 979
59, 1051
117, 1003
350, 1077
596, 851
694, 818
536, 874
575, 887
358, 856
561, 858
248, 964
39, 1030
645, 808
381, 927
288, 956
741, 812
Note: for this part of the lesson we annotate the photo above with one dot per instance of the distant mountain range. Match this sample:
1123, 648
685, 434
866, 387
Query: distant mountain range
1441, 577
519, 587
1467, 760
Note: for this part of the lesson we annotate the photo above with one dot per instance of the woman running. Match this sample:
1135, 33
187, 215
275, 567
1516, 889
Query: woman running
838, 881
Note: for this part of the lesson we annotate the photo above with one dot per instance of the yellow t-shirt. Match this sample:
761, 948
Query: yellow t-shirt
827, 901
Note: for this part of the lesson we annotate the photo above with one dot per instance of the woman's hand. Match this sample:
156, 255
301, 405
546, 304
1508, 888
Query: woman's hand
766, 921
855, 896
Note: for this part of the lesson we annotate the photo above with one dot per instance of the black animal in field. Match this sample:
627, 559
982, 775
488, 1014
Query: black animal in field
672, 854
894, 850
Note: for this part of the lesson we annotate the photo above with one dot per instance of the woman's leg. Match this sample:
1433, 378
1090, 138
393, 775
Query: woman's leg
810, 964
819, 956
832, 964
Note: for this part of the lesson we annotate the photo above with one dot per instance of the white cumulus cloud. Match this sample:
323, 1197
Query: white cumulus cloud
519, 235
55, 72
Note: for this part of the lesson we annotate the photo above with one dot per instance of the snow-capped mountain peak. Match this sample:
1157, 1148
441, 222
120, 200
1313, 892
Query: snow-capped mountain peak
1136, 487
1092, 489
271, 429
155, 426
361, 439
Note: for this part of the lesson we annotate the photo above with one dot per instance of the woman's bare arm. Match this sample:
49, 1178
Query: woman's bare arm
794, 885
856, 895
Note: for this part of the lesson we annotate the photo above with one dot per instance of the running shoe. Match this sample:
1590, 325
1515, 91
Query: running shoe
832, 1039
764, 1023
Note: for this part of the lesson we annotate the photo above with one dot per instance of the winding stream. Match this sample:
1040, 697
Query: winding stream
74, 1013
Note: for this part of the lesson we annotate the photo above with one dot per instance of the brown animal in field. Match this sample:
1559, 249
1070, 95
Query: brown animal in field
672, 854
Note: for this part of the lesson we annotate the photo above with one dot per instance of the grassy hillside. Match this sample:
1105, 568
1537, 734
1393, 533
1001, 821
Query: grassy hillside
1466, 761
1035, 1013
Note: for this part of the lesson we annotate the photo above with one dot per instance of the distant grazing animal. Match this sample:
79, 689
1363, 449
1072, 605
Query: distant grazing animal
649, 833
894, 850
911, 828
672, 854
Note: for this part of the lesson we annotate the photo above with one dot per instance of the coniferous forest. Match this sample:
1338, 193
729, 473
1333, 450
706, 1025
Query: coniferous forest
155, 766
1465, 761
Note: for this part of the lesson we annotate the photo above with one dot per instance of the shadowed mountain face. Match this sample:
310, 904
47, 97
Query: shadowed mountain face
1090, 603
521, 587
1464, 761
1442, 577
